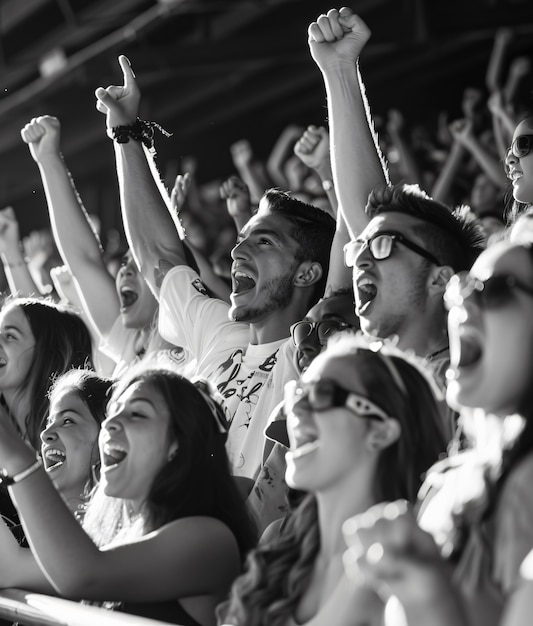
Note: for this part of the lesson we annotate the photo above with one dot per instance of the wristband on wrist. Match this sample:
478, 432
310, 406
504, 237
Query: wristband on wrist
140, 130
7, 480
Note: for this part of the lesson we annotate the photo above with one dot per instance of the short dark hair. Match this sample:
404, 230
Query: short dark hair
311, 228
454, 236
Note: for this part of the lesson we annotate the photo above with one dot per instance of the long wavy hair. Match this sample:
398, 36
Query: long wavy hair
62, 342
278, 572
196, 481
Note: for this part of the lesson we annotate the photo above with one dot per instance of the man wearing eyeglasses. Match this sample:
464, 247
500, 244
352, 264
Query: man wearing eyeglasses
404, 246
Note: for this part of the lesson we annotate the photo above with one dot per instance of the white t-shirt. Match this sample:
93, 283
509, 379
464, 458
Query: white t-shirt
243, 373
120, 347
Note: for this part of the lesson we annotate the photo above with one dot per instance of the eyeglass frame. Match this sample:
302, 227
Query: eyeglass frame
315, 328
356, 403
395, 237
512, 147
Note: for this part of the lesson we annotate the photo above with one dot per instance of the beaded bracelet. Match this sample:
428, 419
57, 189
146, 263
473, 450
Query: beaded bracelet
140, 130
7, 480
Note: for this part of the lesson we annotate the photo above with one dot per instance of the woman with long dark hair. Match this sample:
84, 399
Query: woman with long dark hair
166, 529
363, 424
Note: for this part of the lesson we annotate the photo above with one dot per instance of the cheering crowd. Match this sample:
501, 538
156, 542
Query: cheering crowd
330, 426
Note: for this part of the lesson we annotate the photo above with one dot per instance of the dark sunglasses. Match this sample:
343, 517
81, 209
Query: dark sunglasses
381, 246
521, 146
325, 394
494, 292
324, 330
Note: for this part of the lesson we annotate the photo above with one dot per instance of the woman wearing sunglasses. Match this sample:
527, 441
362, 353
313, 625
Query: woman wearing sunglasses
519, 166
363, 424
478, 507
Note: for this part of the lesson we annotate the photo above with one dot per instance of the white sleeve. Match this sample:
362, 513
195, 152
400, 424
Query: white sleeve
188, 317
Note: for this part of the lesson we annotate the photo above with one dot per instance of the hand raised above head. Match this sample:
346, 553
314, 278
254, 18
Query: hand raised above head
237, 196
42, 134
313, 146
462, 130
337, 38
120, 103
180, 191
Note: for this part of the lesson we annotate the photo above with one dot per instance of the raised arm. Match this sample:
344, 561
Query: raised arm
463, 133
336, 41
75, 238
149, 227
312, 148
16, 269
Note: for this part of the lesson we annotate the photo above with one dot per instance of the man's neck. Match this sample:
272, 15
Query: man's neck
276, 325
425, 341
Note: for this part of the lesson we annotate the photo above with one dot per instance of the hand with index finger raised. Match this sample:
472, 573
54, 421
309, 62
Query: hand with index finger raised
120, 103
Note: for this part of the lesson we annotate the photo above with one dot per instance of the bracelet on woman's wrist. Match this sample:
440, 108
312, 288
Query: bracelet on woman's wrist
7, 480
140, 130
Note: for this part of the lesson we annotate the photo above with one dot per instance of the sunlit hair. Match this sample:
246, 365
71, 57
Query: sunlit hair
62, 341
310, 227
279, 572
196, 481
502, 443
454, 237
93, 391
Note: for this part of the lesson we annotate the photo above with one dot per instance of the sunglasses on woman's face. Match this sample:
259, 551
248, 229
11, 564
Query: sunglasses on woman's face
492, 293
324, 330
325, 394
521, 146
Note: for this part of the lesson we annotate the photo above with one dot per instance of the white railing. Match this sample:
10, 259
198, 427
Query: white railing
36, 609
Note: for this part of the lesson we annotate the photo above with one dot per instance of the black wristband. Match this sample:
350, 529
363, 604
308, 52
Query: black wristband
140, 130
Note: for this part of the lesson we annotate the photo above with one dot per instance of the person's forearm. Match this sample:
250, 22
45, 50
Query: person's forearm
357, 163
18, 274
67, 215
491, 166
443, 185
149, 227
407, 159
56, 539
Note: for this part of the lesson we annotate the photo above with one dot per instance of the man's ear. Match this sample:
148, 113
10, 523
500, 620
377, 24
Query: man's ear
438, 278
383, 434
308, 273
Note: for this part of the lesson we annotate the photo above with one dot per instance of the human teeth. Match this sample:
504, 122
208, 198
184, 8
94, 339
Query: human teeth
305, 449
113, 454
364, 281
242, 282
54, 458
